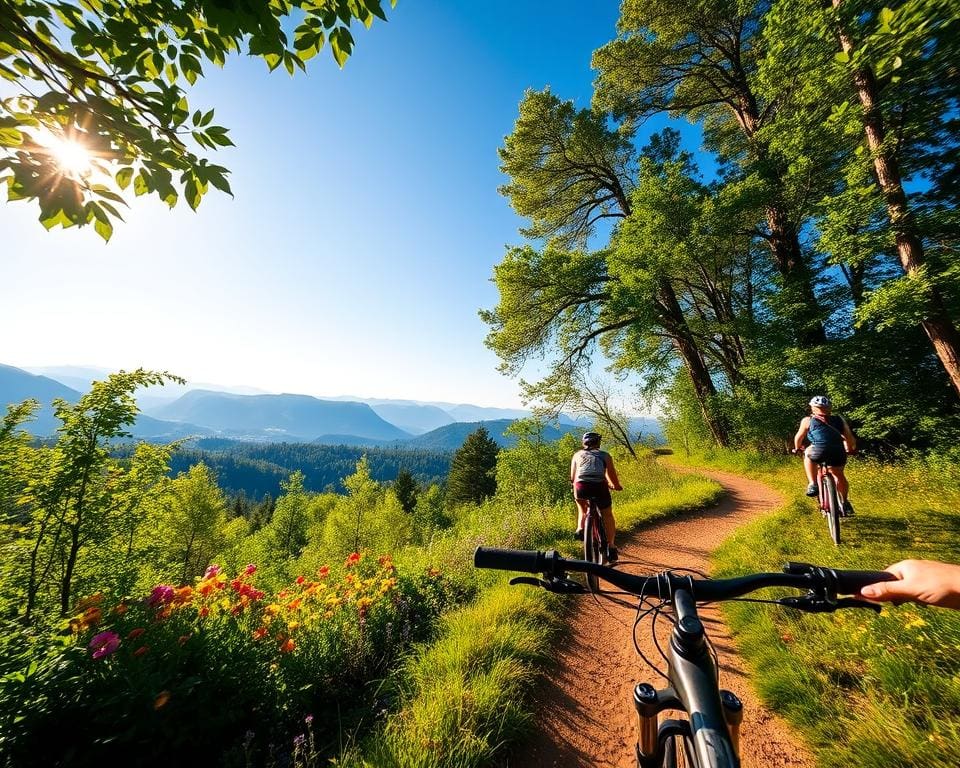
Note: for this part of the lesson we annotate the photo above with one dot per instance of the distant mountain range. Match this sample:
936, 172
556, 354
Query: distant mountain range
246, 414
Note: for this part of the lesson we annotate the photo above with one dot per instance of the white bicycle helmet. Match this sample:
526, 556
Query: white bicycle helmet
820, 401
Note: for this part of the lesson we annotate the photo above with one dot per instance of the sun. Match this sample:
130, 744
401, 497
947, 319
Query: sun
72, 157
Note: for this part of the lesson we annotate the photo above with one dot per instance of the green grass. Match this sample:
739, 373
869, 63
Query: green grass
466, 696
864, 689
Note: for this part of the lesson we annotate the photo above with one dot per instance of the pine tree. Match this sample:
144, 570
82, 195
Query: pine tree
472, 469
407, 490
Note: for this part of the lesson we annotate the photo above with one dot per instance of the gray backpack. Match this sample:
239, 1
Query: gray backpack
591, 466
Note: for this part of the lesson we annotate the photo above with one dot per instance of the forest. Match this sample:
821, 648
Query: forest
809, 245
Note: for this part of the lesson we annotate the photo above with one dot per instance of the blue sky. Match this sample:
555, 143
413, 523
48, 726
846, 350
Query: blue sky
363, 232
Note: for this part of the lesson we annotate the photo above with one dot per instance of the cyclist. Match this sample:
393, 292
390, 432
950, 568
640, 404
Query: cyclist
592, 475
831, 439
923, 581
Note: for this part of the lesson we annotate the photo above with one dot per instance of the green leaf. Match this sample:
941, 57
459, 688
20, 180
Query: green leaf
10, 137
104, 229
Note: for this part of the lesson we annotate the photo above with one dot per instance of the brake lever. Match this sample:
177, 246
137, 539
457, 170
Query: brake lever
561, 585
816, 604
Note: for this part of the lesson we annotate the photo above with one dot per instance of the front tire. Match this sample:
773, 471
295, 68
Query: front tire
674, 754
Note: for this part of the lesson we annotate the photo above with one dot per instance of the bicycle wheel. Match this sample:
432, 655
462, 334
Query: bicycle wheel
675, 754
833, 508
593, 542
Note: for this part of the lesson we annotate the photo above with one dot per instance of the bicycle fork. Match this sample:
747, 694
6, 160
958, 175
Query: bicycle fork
650, 702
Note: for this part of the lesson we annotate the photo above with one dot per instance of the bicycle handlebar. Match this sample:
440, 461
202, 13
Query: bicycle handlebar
819, 579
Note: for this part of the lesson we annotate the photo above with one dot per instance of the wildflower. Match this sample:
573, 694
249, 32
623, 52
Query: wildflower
323, 571
300, 579
204, 612
273, 609
162, 698
92, 616
293, 604
183, 639
308, 719
160, 595
292, 625
433, 573
104, 643
259, 633
135, 633
288, 645
385, 561
141, 650
250, 569
212, 571
352, 560
94, 599
120, 609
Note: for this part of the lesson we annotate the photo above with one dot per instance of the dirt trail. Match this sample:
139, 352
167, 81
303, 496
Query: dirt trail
585, 713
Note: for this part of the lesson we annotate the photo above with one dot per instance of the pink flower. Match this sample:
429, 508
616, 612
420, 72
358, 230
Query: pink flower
250, 569
104, 643
161, 595
212, 570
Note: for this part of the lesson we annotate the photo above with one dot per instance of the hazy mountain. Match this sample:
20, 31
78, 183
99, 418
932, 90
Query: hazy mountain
413, 418
278, 417
451, 437
148, 398
17, 385
472, 413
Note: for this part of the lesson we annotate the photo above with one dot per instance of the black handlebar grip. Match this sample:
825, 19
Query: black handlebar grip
851, 582
509, 559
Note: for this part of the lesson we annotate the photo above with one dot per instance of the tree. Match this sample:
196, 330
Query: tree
407, 490
192, 530
70, 492
287, 530
472, 468
110, 77
699, 58
531, 472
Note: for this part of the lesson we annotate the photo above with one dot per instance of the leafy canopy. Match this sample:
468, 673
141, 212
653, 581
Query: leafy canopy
100, 102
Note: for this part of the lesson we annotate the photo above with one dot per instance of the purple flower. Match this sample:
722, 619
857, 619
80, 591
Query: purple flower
104, 643
161, 594
212, 570
308, 719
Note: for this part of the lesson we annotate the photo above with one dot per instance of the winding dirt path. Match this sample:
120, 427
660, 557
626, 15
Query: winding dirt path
585, 722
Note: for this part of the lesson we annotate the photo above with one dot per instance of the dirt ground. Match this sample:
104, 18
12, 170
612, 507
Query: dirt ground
585, 714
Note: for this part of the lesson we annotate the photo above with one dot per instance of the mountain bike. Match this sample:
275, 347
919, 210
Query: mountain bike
709, 737
830, 505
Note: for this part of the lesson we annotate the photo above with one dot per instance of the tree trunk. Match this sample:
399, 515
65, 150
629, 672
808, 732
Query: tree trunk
692, 357
936, 323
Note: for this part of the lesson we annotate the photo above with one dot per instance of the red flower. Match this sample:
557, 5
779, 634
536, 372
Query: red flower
135, 633
141, 650
353, 560
300, 579
324, 571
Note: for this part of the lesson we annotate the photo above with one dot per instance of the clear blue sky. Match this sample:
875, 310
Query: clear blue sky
364, 229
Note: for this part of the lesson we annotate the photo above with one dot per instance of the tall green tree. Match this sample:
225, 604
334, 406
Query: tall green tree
70, 493
472, 470
291, 519
112, 77
699, 59
407, 490
192, 529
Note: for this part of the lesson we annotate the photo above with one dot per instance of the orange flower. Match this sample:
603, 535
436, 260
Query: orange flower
162, 698
293, 604
324, 571
300, 579
94, 599
259, 633
120, 609
135, 633
352, 560
288, 645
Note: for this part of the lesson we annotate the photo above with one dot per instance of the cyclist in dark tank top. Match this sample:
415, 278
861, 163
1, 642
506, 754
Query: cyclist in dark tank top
830, 439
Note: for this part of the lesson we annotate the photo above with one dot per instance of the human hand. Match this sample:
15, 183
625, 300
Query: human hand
616, 487
923, 581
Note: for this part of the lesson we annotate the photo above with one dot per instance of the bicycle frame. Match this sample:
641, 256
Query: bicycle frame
829, 500
713, 727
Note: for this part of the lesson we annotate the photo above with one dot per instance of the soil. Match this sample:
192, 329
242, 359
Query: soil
584, 709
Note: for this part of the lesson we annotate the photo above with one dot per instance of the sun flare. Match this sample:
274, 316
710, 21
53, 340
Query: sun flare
71, 156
